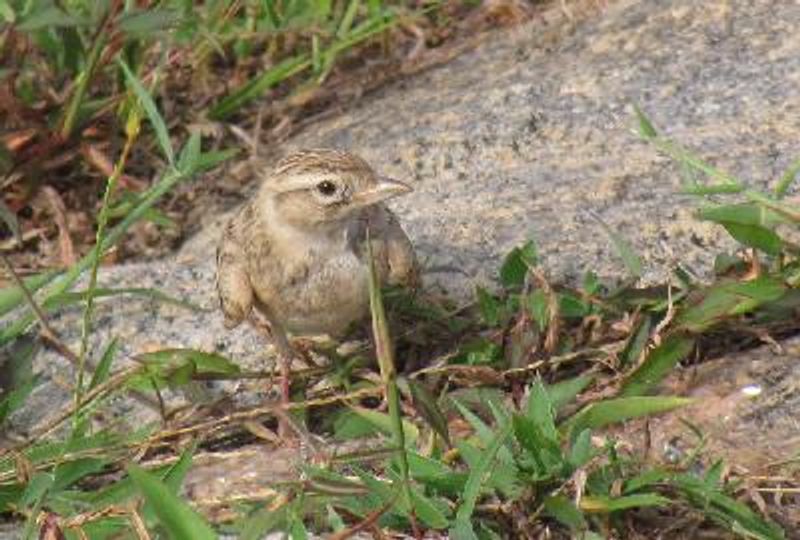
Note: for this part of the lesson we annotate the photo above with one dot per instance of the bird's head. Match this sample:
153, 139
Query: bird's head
324, 187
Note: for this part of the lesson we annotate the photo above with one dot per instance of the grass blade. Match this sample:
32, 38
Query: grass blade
150, 109
177, 517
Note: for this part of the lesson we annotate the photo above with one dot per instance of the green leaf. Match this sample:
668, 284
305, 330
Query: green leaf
11, 297
657, 365
605, 505
646, 128
516, 264
203, 362
18, 377
145, 23
726, 299
563, 510
544, 451
757, 237
189, 156
433, 514
723, 509
614, 411
581, 451
69, 472
208, 160
150, 109
477, 476
564, 392
383, 422
742, 214
786, 180
636, 342
540, 410
103, 369
37, 487
49, 17
263, 521
490, 307
177, 517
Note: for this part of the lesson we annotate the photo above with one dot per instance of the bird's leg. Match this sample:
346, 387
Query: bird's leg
285, 355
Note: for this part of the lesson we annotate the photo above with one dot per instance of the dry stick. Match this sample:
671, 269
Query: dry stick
262, 411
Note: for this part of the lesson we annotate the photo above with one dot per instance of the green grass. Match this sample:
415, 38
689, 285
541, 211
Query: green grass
483, 444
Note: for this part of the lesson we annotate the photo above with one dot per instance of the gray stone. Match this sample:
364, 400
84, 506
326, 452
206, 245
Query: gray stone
523, 138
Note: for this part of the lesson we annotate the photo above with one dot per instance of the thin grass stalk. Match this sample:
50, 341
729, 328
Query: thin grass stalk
385, 354
85, 77
132, 133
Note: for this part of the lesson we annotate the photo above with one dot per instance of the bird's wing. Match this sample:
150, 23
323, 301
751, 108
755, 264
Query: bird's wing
233, 281
391, 247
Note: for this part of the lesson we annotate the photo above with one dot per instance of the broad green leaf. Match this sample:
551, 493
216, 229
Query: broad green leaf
614, 411
516, 264
177, 517
657, 365
490, 306
756, 236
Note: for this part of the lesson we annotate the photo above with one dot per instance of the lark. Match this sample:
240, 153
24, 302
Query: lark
295, 255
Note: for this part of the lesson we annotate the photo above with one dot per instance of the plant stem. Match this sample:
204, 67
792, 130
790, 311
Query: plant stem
132, 133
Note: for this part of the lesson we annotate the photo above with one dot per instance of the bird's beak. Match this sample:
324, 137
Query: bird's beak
384, 188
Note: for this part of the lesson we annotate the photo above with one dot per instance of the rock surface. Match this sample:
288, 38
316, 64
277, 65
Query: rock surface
521, 139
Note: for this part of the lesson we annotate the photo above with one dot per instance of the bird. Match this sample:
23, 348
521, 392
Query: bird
295, 255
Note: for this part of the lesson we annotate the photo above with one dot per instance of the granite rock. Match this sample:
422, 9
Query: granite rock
525, 137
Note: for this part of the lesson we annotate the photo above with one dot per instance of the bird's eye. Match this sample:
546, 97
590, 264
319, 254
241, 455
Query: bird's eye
326, 187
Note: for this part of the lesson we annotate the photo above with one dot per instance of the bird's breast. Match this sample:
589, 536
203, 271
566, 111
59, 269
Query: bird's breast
320, 291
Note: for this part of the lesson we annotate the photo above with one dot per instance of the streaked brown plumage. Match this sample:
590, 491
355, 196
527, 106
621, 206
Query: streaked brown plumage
297, 251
